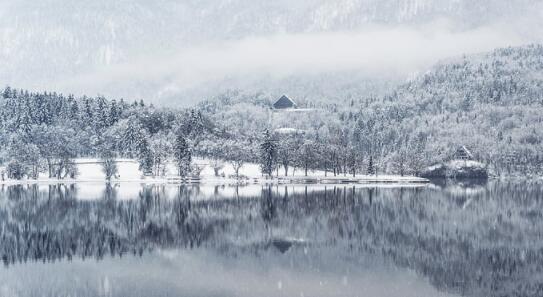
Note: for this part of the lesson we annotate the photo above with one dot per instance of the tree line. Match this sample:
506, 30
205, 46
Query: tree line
45, 132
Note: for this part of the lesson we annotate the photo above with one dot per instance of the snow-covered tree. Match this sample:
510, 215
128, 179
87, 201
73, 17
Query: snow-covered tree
145, 158
161, 149
306, 156
109, 167
217, 165
268, 153
371, 167
182, 155
287, 148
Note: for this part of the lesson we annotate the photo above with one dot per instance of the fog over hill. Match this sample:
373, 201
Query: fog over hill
179, 52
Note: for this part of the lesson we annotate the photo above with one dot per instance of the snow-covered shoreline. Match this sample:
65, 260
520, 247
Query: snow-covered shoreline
90, 171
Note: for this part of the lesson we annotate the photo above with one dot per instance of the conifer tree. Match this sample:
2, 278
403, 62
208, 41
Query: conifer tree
182, 155
371, 168
268, 153
145, 158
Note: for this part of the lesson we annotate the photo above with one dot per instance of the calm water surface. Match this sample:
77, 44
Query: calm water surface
168, 240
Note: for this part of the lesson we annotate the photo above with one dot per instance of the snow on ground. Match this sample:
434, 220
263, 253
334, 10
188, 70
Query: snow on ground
288, 131
295, 110
90, 184
90, 171
458, 164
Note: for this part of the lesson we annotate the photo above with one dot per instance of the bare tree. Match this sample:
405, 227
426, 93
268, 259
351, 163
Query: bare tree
217, 165
237, 164
109, 167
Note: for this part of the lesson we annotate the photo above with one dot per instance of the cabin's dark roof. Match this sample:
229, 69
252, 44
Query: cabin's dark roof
463, 153
284, 102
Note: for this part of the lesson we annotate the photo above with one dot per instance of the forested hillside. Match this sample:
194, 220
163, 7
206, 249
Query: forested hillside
492, 103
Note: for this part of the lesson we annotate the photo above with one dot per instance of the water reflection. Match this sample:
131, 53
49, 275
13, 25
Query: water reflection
471, 240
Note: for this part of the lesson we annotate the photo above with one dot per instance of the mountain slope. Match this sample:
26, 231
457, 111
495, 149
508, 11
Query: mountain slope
504, 77
492, 103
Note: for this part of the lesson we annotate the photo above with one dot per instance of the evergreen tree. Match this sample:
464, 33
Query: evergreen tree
268, 154
100, 114
371, 168
182, 155
7, 93
145, 158
74, 110
87, 110
114, 113
130, 136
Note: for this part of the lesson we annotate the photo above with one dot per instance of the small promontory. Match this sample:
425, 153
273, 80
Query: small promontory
456, 169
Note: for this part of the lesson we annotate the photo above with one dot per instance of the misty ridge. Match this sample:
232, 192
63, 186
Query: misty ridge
180, 52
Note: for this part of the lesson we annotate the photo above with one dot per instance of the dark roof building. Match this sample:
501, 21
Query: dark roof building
284, 103
462, 153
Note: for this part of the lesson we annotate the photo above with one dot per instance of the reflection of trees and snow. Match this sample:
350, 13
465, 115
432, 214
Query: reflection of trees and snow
475, 248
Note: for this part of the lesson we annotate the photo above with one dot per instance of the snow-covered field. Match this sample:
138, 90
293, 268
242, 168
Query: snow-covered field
90, 170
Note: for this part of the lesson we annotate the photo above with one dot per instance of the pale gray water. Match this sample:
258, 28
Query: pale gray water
133, 240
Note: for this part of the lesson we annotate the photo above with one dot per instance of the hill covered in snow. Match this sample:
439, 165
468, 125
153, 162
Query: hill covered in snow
491, 102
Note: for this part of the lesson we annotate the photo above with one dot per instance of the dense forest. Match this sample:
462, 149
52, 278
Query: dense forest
492, 103
46, 131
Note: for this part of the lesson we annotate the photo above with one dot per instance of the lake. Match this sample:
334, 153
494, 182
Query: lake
128, 239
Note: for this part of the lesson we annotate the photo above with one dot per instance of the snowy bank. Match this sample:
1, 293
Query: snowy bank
457, 169
90, 170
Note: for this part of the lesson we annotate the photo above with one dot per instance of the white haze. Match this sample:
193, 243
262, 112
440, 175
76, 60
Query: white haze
376, 51
186, 50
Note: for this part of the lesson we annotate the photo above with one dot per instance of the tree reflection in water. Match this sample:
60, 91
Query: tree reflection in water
475, 240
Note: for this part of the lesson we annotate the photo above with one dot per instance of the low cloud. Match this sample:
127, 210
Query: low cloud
374, 51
